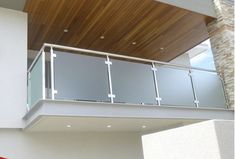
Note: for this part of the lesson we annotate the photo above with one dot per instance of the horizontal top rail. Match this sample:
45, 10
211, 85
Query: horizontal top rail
117, 56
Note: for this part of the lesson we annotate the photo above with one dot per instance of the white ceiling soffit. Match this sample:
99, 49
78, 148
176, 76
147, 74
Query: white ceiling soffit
13, 4
205, 7
92, 124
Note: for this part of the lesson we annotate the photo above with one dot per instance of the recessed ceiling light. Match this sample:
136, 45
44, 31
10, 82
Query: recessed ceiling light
162, 48
66, 30
143, 126
102, 37
133, 43
68, 126
109, 126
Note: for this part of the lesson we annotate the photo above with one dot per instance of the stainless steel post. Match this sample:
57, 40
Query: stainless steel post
43, 75
193, 88
53, 91
154, 69
225, 95
110, 95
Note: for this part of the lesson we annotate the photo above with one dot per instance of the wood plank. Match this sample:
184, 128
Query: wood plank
150, 24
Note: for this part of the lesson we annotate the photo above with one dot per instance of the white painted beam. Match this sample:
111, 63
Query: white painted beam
13, 4
205, 7
64, 108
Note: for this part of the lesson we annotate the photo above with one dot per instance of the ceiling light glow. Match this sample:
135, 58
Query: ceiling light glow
143, 126
133, 43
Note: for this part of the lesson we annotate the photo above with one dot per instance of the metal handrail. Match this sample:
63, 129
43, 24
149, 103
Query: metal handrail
115, 55
111, 95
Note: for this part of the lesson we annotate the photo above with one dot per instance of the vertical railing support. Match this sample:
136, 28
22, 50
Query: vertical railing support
154, 69
193, 88
110, 95
43, 75
28, 92
224, 91
53, 91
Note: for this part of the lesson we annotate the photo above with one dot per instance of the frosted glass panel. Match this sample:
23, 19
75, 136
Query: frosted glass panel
175, 87
209, 89
81, 77
35, 83
132, 82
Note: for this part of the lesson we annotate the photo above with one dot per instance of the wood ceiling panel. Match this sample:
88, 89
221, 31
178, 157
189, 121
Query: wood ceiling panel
152, 25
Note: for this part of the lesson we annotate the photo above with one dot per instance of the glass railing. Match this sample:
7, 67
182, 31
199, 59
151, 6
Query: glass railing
67, 73
35, 81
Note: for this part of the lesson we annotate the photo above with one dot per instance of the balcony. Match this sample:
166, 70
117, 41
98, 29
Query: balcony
92, 89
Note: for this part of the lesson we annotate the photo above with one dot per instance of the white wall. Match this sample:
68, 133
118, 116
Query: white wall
182, 60
225, 138
205, 140
19, 145
13, 61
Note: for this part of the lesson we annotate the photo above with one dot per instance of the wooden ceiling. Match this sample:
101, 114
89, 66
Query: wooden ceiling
141, 28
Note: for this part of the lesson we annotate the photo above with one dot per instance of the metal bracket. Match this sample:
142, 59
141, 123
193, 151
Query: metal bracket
108, 63
54, 55
111, 95
154, 69
27, 107
226, 103
29, 75
196, 102
158, 99
55, 92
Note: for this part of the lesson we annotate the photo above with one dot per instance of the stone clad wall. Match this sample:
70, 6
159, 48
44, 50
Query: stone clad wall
221, 32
